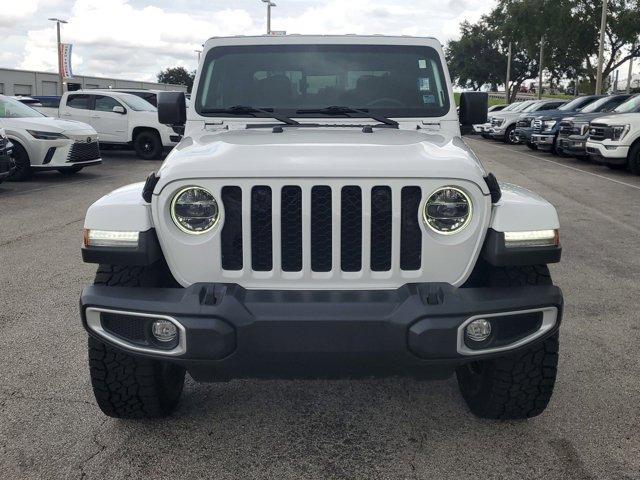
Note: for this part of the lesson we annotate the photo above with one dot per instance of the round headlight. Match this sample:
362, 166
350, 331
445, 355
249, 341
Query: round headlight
448, 210
194, 210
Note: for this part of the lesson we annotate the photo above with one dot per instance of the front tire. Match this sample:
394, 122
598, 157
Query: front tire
510, 137
131, 386
148, 145
23, 164
634, 159
517, 385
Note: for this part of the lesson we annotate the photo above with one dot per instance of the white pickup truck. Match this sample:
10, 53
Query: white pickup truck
614, 140
119, 118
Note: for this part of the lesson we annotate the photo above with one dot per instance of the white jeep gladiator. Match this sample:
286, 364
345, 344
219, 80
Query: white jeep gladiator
322, 217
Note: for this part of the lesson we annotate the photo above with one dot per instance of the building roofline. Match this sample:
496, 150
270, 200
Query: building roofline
88, 76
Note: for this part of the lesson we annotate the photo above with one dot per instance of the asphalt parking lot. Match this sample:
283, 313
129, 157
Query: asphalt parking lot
50, 427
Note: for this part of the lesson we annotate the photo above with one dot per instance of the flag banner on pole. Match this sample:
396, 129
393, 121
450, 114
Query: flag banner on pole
65, 55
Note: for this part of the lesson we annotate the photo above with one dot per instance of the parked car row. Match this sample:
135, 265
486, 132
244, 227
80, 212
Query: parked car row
66, 133
603, 128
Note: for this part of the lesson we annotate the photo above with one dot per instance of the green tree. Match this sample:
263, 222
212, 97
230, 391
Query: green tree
177, 76
571, 34
475, 59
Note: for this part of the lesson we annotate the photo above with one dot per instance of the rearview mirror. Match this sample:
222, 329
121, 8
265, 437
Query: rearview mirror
473, 108
119, 109
172, 110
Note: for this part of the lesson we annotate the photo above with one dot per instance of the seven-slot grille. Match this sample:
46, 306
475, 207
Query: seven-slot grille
83, 152
347, 228
597, 131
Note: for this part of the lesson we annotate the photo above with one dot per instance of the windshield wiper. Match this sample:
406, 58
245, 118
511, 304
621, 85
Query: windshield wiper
349, 112
253, 111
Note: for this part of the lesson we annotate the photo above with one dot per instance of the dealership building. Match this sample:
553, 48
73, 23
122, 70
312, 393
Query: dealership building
27, 82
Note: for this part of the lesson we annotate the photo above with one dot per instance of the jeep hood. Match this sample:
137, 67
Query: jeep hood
321, 152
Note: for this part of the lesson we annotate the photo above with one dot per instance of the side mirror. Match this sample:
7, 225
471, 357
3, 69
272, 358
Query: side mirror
119, 109
473, 108
172, 110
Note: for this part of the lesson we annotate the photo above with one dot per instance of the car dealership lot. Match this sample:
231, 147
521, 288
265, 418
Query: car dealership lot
50, 426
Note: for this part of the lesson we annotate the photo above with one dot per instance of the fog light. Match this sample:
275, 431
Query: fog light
164, 331
478, 330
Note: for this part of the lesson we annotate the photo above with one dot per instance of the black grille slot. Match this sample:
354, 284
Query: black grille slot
410, 233
231, 237
83, 152
566, 128
261, 229
291, 228
130, 328
50, 153
321, 229
351, 229
381, 217
598, 132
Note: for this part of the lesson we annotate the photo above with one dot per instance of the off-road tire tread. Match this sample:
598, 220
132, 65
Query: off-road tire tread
129, 387
517, 386
520, 276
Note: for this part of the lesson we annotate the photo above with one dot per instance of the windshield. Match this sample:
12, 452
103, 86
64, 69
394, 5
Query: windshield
390, 80
597, 105
10, 108
511, 107
521, 107
630, 106
138, 104
576, 103
533, 107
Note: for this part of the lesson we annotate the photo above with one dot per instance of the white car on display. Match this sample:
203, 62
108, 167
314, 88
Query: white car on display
121, 119
322, 217
45, 143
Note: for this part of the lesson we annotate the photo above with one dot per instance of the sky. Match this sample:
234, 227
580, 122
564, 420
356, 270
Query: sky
136, 39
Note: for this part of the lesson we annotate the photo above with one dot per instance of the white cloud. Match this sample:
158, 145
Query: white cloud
12, 12
133, 39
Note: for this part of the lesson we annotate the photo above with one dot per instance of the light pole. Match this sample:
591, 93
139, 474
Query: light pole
603, 27
269, 5
540, 72
506, 86
60, 76
198, 52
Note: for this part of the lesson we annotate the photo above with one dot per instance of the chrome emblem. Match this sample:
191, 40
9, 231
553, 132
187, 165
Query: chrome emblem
88, 139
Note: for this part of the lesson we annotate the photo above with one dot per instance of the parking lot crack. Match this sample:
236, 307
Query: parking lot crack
101, 448
40, 232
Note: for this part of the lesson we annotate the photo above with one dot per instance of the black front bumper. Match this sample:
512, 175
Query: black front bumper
524, 134
231, 332
573, 144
